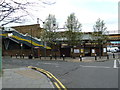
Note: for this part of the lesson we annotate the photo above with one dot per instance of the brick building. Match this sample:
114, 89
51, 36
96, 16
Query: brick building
22, 43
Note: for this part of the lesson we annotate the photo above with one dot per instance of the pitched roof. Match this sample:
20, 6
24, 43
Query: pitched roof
87, 37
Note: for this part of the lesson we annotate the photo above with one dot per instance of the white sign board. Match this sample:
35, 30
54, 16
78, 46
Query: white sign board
76, 51
104, 50
93, 50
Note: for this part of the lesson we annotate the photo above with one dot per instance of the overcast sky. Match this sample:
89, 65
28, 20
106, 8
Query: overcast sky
87, 12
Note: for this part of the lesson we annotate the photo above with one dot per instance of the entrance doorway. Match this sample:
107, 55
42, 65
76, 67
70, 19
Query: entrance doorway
87, 52
36, 52
65, 51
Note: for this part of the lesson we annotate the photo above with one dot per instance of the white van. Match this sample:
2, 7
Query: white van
112, 49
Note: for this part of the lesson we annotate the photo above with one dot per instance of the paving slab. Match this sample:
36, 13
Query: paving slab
25, 78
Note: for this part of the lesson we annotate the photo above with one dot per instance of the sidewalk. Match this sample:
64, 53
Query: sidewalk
25, 78
76, 59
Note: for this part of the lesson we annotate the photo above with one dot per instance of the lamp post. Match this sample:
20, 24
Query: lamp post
31, 43
45, 48
10, 34
21, 49
46, 33
44, 38
55, 51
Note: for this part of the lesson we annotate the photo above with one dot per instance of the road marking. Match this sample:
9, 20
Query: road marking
47, 63
95, 66
56, 65
51, 63
58, 81
51, 76
44, 72
57, 85
119, 61
115, 64
47, 74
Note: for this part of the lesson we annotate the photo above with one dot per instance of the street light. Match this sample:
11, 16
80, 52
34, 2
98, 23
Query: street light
45, 48
55, 51
31, 54
21, 49
44, 38
10, 34
31, 43
45, 44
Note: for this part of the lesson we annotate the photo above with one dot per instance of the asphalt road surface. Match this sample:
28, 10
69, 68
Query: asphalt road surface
75, 74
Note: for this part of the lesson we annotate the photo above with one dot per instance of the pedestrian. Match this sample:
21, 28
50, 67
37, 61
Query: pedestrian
95, 56
80, 57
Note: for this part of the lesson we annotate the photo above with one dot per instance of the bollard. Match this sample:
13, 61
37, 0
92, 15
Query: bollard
63, 57
40, 57
23, 56
16, 55
107, 56
80, 57
20, 56
73, 57
50, 57
95, 56
30, 56
60, 56
113, 55
119, 56
11, 56
55, 57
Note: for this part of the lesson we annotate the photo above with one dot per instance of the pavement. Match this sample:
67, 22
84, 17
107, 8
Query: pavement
77, 59
25, 78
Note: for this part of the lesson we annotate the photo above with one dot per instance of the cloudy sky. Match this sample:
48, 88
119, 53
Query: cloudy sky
87, 12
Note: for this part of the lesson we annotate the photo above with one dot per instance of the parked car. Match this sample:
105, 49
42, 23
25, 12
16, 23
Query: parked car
113, 49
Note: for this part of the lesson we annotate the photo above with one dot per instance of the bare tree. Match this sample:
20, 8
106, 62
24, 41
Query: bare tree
15, 11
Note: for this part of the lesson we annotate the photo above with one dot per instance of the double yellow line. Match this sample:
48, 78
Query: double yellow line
56, 82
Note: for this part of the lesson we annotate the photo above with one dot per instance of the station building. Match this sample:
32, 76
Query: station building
26, 40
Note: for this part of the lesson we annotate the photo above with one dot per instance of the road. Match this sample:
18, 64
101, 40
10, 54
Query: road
74, 74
